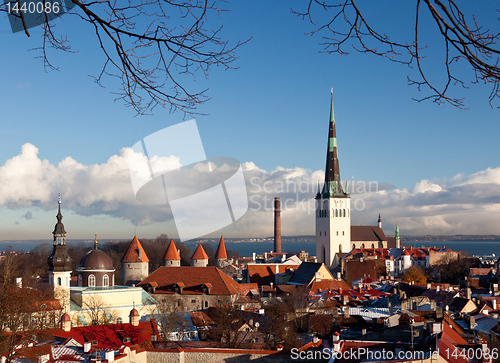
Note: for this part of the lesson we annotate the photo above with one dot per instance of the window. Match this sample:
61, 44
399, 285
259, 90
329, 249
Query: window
193, 301
337, 233
336, 212
59, 281
91, 280
206, 304
343, 233
105, 281
353, 246
119, 320
340, 248
344, 212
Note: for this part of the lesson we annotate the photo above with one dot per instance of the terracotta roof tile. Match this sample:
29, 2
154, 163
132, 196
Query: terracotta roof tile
329, 284
110, 335
193, 278
171, 253
264, 274
221, 249
199, 254
135, 252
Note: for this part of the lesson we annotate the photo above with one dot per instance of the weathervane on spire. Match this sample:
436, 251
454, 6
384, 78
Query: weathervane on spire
59, 198
332, 91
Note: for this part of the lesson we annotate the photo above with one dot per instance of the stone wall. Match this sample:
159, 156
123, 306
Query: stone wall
231, 355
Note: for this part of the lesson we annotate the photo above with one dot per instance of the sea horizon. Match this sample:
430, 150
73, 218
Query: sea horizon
246, 247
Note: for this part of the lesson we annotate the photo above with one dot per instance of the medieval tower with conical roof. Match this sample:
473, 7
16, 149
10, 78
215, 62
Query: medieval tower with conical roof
134, 264
172, 256
60, 262
333, 206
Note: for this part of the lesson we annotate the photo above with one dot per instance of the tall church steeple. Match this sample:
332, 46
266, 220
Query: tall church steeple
332, 186
333, 206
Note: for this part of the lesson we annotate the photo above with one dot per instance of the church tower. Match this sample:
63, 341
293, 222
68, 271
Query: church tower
60, 262
333, 206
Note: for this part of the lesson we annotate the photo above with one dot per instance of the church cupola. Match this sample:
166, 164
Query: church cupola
379, 221
96, 269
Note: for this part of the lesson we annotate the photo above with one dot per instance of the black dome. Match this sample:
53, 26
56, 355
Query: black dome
96, 260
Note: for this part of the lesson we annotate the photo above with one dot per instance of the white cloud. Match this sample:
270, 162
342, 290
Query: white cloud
464, 204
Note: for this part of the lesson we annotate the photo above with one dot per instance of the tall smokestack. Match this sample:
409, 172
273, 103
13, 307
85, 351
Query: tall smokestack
277, 225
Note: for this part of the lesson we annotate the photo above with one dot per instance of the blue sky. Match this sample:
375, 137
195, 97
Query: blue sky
271, 113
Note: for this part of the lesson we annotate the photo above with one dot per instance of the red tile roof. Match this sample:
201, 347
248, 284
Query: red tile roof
264, 274
171, 253
367, 233
132, 254
193, 278
111, 335
221, 249
329, 285
481, 271
199, 254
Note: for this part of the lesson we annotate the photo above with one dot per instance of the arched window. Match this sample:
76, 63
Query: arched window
340, 248
337, 233
353, 246
343, 233
373, 246
80, 280
59, 281
323, 254
344, 212
91, 281
105, 281
336, 212
363, 245
119, 320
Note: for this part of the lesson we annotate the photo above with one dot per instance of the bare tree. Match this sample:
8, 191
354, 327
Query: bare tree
97, 310
150, 46
464, 40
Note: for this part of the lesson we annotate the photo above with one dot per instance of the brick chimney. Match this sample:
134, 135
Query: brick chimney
277, 225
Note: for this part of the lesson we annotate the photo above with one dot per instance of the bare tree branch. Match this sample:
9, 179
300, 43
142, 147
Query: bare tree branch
151, 45
464, 41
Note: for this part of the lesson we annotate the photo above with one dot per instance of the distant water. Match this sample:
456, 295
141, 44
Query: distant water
247, 248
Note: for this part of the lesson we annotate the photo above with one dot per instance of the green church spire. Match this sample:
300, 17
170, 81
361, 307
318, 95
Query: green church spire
333, 185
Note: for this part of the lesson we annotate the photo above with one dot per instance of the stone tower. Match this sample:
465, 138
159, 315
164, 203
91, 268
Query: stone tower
333, 206
199, 258
221, 254
171, 257
135, 264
